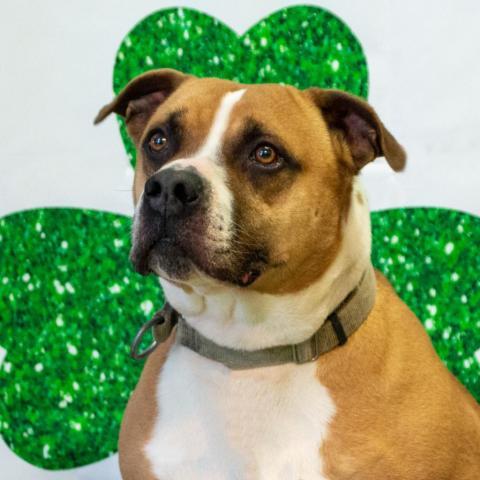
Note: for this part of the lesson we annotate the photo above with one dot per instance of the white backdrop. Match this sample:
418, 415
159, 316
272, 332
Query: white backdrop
56, 62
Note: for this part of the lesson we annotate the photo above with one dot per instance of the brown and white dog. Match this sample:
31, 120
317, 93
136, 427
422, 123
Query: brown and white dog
249, 210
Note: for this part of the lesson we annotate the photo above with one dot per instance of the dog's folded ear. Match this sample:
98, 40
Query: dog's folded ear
141, 97
356, 123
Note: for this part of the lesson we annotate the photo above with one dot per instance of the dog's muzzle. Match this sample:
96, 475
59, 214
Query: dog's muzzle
171, 207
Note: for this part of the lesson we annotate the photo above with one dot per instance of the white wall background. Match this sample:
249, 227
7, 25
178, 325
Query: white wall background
56, 61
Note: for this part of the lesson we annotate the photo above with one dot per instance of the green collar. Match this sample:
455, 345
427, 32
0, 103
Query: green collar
334, 331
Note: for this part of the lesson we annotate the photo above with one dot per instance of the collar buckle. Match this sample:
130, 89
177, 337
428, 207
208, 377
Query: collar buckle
307, 351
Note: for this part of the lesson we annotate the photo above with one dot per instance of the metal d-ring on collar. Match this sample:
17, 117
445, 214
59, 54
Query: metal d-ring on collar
161, 324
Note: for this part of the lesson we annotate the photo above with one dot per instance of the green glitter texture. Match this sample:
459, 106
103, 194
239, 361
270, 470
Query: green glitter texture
69, 306
302, 46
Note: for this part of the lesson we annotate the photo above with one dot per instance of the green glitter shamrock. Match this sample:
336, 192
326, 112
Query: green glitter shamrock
69, 301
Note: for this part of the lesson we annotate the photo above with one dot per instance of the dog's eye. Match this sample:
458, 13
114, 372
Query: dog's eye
266, 155
157, 142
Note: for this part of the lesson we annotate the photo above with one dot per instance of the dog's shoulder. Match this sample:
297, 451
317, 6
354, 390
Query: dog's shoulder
389, 369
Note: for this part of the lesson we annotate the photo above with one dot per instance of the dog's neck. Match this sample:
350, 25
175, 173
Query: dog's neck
245, 319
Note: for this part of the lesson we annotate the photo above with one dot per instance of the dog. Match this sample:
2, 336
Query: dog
292, 357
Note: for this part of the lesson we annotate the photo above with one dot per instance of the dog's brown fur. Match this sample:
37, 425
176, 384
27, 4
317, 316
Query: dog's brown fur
137, 422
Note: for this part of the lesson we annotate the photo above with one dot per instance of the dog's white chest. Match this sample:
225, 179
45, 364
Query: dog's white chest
218, 424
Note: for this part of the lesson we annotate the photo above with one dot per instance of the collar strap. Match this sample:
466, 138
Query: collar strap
336, 329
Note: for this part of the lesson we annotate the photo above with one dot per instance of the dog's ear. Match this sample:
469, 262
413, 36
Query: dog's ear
141, 97
358, 125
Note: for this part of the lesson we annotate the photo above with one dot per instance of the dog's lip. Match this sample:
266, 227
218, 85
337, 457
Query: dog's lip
140, 256
253, 269
253, 266
249, 277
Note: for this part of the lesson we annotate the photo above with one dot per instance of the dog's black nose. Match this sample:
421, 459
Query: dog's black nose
174, 192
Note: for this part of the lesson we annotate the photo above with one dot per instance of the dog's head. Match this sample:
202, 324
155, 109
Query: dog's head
244, 184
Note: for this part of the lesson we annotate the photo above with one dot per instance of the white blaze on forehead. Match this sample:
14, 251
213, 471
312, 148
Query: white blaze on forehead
213, 142
210, 149
206, 161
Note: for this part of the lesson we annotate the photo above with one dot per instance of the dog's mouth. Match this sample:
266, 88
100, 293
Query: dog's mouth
252, 267
176, 260
165, 254
248, 277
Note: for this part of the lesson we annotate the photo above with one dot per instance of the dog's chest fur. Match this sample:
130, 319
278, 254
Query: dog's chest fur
218, 424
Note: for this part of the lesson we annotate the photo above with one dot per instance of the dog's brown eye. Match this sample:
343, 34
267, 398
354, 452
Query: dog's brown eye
266, 155
157, 142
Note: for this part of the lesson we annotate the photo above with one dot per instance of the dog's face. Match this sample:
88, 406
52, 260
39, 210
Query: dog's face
244, 184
